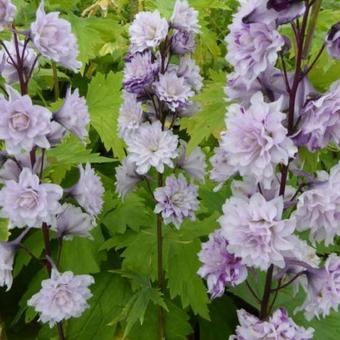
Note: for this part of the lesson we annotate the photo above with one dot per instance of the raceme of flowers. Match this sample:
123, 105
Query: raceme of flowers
265, 130
160, 79
27, 199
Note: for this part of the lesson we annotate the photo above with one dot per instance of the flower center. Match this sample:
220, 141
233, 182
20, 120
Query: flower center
19, 121
29, 199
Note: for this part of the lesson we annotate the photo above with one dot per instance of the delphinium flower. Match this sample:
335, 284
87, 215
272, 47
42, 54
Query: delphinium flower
152, 146
279, 326
185, 17
130, 115
89, 190
333, 41
23, 125
320, 120
182, 42
72, 221
323, 289
62, 297
127, 177
148, 30
256, 140
74, 114
28, 202
255, 230
9, 71
318, 209
53, 38
140, 72
177, 200
7, 13
7, 253
219, 267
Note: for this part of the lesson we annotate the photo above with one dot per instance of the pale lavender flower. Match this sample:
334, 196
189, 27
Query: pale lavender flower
182, 42
177, 200
57, 133
148, 30
318, 209
74, 114
255, 140
185, 17
320, 123
189, 70
130, 115
7, 253
28, 202
140, 72
151, 146
173, 90
279, 326
62, 297
219, 267
188, 110
89, 190
72, 221
333, 41
7, 13
53, 38
22, 124
221, 170
252, 48
126, 177
194, 164
255, 230
323, 289
9, 72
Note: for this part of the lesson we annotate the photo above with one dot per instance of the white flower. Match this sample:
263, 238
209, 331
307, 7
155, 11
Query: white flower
185, 17
53, 38
73, 222
7, 13
62, 297
130, 115
9, 72
151, 146
173, 90
89, 190
188, 69
22, 124
74, 114
7, 253
255, 140
177, 200
126, 177
255, 230
29, 202
148, 30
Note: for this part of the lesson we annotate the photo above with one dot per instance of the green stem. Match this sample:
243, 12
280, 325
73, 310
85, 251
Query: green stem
55, 81
311, 27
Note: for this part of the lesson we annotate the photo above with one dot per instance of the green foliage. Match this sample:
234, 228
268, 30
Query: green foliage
104, 99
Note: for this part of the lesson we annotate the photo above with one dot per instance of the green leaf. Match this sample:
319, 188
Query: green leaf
130, 213
84, 249
110, 294
210, 120
104, 100
73, 152
4, 232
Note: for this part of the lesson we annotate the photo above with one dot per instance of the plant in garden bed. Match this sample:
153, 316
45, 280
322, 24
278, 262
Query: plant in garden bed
28, 198
160, 79
278, 116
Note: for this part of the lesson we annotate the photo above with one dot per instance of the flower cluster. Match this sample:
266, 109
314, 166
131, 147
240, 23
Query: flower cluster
27, 198
275, 113
160, 79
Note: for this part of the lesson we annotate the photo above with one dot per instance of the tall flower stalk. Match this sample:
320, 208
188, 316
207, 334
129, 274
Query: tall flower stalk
28, 131
160, 78
279, 112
